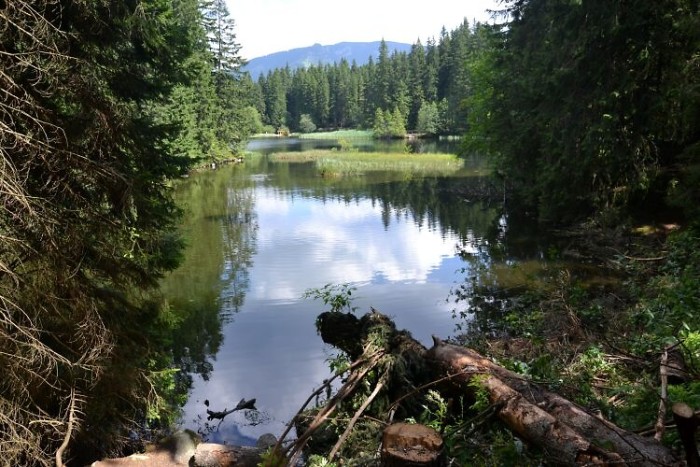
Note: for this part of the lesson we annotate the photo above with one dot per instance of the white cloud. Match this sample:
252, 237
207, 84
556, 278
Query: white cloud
305, 244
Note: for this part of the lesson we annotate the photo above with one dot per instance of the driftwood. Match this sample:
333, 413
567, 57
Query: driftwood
243, 404
568, 433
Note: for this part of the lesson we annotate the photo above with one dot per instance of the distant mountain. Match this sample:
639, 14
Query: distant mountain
323, 54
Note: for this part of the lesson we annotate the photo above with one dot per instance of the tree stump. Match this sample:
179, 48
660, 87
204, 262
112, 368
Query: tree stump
687, 422
404, 444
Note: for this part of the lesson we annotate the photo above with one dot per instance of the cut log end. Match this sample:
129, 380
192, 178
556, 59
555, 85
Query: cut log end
406, 444
681, 410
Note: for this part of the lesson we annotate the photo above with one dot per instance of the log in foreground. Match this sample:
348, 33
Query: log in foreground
569, 434
565, 431
217, 455
184, 448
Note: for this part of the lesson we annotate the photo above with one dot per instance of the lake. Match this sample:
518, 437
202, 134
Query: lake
260, 234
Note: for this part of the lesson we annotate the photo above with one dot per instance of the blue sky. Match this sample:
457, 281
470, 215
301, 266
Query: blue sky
268, 26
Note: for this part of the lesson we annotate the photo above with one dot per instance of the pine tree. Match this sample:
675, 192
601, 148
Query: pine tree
228, 113
220, 28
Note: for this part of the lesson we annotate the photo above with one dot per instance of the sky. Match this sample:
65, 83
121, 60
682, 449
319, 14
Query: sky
268, 26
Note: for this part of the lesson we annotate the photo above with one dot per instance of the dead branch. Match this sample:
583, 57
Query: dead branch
242, 404
661, 414
356, 416
355, 378
324, 387
69, 430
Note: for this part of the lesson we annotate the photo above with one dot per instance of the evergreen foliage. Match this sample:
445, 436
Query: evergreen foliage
591, 106
389, 124
102, 103
344, 95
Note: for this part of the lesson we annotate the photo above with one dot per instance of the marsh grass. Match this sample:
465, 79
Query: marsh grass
339, 163
352, 134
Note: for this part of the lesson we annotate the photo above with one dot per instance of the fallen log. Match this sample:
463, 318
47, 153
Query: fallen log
568, 433
218, 455
184, 448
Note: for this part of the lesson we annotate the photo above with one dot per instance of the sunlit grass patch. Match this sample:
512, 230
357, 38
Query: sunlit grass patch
338, 163
297, 156
354, 134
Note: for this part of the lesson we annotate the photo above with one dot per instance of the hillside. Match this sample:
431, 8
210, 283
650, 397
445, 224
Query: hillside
317, 53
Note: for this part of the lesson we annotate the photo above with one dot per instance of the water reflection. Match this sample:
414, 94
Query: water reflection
261, 234
219, 228
365, 144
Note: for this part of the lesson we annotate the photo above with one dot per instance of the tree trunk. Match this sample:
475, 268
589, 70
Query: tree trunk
566, 431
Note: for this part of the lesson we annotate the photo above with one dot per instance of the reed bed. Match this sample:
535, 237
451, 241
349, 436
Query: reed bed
332, 163
348, 134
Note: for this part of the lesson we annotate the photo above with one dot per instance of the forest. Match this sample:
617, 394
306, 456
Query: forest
421, 91
588, 110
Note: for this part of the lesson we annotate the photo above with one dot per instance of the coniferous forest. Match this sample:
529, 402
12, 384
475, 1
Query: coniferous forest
102, 103
588, 110
421, 91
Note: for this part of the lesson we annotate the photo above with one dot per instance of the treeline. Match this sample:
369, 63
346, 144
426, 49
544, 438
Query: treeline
422, 90
592, 107
101, 103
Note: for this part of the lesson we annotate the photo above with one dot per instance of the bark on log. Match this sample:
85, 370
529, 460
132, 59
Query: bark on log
218, 455
675, 368
203, 455
565, 430
406, 444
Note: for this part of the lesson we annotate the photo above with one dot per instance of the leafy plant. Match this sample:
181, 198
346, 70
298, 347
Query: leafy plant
337, 296
272, 458
434, 410
320, 461
481, 395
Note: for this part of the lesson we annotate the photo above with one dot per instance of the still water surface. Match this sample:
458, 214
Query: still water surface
260, 234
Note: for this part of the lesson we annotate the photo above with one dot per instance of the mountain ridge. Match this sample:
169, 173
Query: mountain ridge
323, 54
